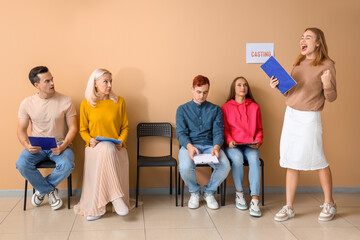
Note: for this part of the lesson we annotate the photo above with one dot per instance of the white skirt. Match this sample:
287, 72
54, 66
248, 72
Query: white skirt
301, 145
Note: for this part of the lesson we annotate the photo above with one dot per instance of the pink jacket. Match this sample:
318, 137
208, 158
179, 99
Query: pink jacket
242, 122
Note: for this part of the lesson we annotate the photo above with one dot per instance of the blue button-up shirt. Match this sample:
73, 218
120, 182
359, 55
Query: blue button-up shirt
199, 124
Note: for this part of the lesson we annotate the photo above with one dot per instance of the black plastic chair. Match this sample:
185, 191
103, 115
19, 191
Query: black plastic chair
220, 188
49, 164
246, 164
161, 129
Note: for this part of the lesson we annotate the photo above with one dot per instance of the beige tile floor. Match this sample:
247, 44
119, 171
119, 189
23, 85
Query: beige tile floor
158, 218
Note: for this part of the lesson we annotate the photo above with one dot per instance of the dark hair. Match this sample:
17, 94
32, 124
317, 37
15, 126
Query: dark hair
200, 80
232, 90
321, 52
33, 74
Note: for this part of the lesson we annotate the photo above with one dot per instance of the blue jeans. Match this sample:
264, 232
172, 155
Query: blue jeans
188, 174
26, 164
236, 156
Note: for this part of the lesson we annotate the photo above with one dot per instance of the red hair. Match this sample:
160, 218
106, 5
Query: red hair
200, 80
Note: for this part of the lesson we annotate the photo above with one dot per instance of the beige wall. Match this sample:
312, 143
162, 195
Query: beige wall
155, 48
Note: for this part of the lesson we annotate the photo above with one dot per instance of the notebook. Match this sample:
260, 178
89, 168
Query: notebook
272, 68
46, 143
100, 139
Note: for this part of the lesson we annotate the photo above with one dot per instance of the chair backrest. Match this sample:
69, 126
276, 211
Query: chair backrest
151, 129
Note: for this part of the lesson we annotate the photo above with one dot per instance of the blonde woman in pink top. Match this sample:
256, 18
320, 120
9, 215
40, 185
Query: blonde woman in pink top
301, 145
242, 122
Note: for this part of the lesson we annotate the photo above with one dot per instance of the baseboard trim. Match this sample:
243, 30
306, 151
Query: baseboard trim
165, 191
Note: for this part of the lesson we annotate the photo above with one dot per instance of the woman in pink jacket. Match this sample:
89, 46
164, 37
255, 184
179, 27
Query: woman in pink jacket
242, 121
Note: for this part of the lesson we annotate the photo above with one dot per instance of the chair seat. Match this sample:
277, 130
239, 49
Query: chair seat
163, 161
46, 164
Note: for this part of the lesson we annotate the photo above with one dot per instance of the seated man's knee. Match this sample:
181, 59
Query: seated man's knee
65, 166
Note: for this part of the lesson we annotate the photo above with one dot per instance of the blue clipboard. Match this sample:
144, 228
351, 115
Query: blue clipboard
272, 68
100, 139
46, 143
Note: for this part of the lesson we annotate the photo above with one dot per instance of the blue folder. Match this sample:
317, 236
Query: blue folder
272, 68
100, 139
46, 143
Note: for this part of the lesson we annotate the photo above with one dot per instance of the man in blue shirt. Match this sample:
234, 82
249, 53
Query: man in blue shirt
200, 130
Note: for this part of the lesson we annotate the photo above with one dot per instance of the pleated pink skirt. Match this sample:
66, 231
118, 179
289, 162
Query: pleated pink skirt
106, 178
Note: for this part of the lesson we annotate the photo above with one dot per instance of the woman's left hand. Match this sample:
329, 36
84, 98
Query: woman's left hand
325, 78
256, 146
118, 146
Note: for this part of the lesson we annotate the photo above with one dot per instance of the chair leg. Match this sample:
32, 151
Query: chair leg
262, 186
170, 180
25, 194
176, 188
221, 193
179, 191
69, 190
182, 192
137, 186
224, 194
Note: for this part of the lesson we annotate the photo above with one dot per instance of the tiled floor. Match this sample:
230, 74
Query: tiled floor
158, 218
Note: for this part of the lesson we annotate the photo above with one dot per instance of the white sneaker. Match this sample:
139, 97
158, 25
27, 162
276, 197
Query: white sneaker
284, 214
211, 201
93, 218
255, 208
240, 202
194, 200
120, 207
54, 200
37, 198
328, 212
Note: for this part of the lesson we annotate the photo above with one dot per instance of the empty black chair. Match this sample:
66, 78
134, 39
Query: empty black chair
49, 164
246, 163
160, 129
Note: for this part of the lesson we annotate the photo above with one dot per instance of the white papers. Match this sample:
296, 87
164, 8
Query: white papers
205, 159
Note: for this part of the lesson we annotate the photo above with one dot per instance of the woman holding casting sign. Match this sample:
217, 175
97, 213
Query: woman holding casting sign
301, 138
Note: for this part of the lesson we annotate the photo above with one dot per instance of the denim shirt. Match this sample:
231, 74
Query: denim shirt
199, 124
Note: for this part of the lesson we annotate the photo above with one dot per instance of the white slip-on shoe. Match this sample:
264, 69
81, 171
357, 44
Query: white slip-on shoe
120, 207
93, 218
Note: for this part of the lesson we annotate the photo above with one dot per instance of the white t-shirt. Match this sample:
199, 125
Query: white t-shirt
48, 116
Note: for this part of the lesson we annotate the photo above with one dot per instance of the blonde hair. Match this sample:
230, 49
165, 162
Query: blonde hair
90, 92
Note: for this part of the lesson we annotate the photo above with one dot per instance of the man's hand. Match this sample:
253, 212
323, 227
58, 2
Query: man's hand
216, 151
192, 150
93, 142
33, 149
58, 150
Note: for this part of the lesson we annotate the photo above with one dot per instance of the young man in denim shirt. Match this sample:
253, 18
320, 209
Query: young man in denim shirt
200, 130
